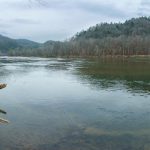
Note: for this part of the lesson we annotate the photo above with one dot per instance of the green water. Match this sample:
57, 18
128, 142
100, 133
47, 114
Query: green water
75, 104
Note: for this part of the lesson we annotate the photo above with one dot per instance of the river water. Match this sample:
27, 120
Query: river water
75, 104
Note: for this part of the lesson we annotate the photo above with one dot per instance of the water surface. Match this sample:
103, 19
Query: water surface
75, 104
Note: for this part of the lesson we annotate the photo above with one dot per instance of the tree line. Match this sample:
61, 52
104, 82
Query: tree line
129, 38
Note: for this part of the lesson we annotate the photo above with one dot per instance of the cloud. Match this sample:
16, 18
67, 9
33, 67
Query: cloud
24, 21
42, 20
103, 9
144, 8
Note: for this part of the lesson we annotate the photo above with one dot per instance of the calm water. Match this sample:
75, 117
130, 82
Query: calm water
75, 104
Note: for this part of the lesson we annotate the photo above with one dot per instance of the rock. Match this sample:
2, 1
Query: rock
2, 86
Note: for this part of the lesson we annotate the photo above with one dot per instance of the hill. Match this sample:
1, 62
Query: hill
134, 27
27, 43
8, 44
129, 38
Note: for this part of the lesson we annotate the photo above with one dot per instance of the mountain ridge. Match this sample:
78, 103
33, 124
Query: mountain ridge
128, 38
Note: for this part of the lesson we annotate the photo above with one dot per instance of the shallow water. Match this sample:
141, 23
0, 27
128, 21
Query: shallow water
75, 104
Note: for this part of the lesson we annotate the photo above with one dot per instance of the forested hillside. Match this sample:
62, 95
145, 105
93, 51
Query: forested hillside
8, 45
133, 27
129, 38
27, 43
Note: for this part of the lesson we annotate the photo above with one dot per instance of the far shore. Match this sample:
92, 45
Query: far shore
142, 57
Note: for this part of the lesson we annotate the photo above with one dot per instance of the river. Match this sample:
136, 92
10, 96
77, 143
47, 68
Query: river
75, 104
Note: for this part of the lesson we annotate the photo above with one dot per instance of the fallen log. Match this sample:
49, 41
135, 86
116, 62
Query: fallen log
2, 111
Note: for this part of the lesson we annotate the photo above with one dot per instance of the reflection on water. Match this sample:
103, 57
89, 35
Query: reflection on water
74, 104
135, 75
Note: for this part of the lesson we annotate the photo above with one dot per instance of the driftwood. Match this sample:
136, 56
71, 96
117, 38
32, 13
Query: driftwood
2, 111
3, 121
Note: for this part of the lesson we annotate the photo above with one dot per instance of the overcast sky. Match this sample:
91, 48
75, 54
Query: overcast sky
42, 20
